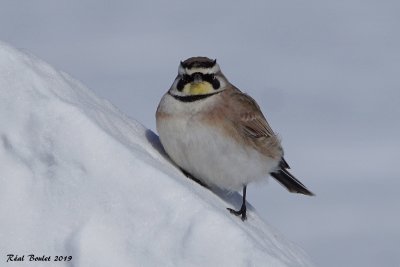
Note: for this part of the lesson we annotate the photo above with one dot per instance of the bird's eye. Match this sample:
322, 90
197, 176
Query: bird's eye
183, 81
212, 80
180, 85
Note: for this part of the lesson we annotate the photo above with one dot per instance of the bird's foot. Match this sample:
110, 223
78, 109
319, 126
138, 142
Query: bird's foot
241, 212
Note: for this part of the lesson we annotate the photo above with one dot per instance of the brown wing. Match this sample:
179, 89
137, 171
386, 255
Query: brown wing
251, 118
252, 125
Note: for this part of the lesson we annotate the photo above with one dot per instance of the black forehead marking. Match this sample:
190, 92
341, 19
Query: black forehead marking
198, 62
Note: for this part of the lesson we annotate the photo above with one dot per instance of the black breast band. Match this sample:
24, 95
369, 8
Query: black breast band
192, 98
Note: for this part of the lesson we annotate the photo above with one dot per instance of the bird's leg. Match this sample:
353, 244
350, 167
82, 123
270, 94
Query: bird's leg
243, 209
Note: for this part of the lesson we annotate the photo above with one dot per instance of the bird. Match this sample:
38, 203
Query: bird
217, 134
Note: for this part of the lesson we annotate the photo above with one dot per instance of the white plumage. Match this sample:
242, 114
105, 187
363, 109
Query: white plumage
218, 134
204, 151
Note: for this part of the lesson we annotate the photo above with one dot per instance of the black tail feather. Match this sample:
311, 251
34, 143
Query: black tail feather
285, 178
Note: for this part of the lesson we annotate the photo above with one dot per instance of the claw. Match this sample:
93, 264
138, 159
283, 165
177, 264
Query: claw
243, 209
241, 212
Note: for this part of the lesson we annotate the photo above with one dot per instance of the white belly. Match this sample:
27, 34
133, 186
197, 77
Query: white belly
207, 153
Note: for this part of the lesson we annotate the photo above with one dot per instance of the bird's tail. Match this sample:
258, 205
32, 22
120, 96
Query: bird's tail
285, 178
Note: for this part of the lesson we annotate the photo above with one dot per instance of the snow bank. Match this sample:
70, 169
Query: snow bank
80, 179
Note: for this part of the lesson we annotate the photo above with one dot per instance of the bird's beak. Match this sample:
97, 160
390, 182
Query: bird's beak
197, 78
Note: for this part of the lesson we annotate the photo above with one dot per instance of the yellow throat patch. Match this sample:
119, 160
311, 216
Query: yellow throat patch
200, 88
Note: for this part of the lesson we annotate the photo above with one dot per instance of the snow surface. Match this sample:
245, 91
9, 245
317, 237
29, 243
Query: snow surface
80, 178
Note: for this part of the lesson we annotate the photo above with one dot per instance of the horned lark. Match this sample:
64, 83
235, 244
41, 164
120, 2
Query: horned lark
218, 134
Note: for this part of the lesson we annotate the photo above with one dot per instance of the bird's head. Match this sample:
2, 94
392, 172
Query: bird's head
198, 76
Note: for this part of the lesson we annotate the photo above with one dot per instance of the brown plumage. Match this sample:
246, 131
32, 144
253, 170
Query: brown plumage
203, 115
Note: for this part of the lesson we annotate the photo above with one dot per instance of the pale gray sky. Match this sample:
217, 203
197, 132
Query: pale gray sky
324, 72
